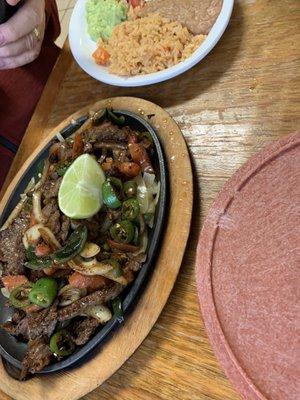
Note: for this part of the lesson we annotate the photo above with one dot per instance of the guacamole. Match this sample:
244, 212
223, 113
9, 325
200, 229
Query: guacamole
103, 15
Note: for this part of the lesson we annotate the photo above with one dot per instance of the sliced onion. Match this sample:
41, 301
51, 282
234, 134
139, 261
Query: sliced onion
32, 235
37, 207
111, 275
100, 313
147, 192
92, 267
49, 238
44, 174
68, 294
60, 137
144, 244
14, 214
5, 292
90, 250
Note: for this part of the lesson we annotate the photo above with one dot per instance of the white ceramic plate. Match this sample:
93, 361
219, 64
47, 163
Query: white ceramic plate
82, 48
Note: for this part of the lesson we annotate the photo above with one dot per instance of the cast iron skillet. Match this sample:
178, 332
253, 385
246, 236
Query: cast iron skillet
13, 350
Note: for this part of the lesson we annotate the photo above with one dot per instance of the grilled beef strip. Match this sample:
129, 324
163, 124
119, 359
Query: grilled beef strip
99, 297
105, 132
81, 331
50, 189
38, 355
12, 251
33, 325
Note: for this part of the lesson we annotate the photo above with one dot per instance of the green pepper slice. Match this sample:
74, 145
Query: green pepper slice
43, 292
130, 209
111, 190
39, 263
61, 344
117, 307
73, 246
19, 296
130, 189
120, 121
122, 232
34, 262
116, 272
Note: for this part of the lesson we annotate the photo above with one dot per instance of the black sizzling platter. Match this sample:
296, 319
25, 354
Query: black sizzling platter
13, 350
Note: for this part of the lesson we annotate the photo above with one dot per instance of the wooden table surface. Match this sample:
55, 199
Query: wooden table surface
243, 95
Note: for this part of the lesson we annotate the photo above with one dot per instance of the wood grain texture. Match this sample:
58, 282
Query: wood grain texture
243, 95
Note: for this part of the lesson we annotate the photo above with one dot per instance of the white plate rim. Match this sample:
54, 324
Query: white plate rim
82, 46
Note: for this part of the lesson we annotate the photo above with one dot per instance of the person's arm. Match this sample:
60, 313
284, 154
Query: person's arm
22, 35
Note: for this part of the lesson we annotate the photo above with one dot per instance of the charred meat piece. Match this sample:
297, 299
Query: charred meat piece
52, 216
99, 297
50, 189
106, 132
12, 251
38, 355
41, 323
81, 331
64, 230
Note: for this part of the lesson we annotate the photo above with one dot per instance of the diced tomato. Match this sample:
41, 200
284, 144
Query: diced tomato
132, 138
32, 308
32, 220
101, 56
50, 270
135, 3
128, 248
107, 165
42, 250
139, 155
12, 281
129, 169
90, 282
78, 146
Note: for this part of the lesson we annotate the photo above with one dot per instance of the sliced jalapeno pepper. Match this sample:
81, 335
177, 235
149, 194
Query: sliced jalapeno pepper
111, 190
34, 262
130, 209
73, 246
117, 307
122, 232
19, 296
130, 189
43, 292
61, 344
116, 272
120, 121
39, 263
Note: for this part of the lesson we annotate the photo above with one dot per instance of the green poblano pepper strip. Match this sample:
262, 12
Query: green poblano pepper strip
120, 121
39, 263
73, 247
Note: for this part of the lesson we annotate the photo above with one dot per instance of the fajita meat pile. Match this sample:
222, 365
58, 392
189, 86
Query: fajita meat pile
78, 237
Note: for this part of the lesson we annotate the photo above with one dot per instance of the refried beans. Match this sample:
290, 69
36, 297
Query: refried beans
197, 15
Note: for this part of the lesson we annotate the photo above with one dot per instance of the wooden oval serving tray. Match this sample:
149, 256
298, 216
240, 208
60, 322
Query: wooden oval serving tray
79, 381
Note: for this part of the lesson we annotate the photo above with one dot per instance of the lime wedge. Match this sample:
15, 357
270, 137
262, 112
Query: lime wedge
80, 194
